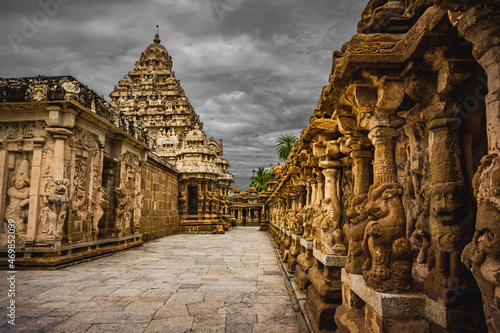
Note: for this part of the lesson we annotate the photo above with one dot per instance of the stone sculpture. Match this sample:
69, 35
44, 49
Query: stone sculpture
481, 256
58, 207
139, 204
355, 231
387, 267
121, 209
100, 204
18, 195
331, 234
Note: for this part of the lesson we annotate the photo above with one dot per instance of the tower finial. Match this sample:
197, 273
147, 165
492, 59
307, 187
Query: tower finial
157, 36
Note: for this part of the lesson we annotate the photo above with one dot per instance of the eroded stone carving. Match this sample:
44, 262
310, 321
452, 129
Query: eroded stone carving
122, 203
331, 234
139, 204
355, 231
58, 207
18, 195
481, 256
100, 204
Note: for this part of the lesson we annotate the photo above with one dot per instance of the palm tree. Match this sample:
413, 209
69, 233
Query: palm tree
284, 145
259, 181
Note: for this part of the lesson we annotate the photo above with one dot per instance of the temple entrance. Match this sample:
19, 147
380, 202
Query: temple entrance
244, 216
192, 200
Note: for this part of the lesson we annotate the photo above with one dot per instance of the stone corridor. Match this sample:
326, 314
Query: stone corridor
183, 283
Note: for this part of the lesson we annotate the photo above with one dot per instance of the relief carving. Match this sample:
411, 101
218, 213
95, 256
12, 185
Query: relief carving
58, 207
122, 203
331, 234
139, 204
482, 255
18, 195
388, 267
100, 204
355, 231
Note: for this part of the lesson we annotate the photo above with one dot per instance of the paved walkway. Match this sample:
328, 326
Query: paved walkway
183, 283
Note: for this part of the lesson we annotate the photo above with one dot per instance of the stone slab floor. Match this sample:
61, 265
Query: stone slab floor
183, 283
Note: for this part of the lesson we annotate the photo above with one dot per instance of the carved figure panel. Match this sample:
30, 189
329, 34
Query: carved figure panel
58, 203
18, 196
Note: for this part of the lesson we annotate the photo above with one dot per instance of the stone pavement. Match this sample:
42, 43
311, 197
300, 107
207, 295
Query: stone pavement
182, 283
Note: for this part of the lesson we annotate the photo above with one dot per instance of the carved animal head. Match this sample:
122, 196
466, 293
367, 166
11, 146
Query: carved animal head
448, 202
384, 199
59, 186
356, 209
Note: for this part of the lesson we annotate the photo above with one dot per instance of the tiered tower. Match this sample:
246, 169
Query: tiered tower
154, 96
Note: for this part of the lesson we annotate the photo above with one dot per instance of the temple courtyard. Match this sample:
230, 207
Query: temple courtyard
183, 283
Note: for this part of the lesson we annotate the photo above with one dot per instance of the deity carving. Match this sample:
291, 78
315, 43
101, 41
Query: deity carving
139, 204
18, 195
388, 264
100, 204
122, 203
58, 207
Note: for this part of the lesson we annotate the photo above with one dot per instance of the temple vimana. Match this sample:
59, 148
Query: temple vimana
386, 214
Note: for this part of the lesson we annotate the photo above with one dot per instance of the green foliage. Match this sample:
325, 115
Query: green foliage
284, 145
259, 180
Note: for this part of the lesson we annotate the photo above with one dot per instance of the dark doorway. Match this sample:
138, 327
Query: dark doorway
193, 200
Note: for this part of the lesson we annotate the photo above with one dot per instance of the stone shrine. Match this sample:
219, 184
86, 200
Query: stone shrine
82, 177
155, 97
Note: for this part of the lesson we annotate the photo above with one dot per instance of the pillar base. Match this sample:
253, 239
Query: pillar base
410, 312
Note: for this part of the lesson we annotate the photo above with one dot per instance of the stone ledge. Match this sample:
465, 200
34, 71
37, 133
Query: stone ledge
328, 259
288, 232
401, 306
296, 237
307, 244
50, 258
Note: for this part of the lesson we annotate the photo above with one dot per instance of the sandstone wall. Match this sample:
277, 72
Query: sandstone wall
160, 214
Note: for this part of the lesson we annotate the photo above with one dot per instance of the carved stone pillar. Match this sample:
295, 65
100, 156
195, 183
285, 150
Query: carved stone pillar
320, 190
314, 190
60, 135
451, 218
308, 195
36, 165
357, 217
331, 231
478, 23
388, 267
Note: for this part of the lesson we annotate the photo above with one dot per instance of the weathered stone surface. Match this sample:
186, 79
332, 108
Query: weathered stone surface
391, 150
155, 97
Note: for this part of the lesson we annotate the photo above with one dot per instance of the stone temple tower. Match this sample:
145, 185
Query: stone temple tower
152, 95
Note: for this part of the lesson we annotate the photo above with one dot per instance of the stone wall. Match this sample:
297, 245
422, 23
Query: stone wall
160, 214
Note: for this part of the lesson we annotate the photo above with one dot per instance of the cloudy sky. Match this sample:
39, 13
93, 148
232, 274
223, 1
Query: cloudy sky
253, 69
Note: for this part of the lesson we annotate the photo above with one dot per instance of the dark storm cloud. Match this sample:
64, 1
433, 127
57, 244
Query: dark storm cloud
252, 69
